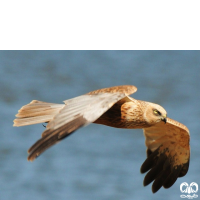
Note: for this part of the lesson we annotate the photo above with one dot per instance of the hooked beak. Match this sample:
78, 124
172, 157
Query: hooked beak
164, 120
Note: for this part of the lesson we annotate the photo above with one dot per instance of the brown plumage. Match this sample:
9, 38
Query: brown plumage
167, 140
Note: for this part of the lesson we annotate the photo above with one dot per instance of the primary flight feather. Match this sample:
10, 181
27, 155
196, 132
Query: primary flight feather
167, 140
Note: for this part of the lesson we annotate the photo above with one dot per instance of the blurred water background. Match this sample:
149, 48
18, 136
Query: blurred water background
96, 162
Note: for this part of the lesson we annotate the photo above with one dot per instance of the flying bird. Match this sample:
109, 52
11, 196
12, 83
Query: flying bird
167, 141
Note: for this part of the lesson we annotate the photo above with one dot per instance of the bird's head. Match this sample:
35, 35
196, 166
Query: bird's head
155, 113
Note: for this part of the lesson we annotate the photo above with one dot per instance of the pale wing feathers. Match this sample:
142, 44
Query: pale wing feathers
37, 112
90, 107
168, 153
172, 131
78, 112
124, 89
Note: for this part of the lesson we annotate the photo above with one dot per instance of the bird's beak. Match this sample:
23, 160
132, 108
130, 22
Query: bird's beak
164, 119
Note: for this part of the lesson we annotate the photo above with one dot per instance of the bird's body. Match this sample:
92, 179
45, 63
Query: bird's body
127, 113
167, 140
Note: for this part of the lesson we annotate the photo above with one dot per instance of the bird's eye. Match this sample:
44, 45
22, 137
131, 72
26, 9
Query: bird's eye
157, 112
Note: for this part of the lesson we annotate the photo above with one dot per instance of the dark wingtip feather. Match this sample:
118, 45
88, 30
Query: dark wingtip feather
155, 171
51, 137
150, 161
160, 179
184, 169
171, 179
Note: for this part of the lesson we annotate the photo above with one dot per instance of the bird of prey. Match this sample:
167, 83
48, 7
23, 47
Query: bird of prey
167, 141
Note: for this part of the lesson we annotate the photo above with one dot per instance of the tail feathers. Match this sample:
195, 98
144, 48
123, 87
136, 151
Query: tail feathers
37, 112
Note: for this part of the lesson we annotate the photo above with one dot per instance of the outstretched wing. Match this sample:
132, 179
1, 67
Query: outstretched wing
168, 153
79, 111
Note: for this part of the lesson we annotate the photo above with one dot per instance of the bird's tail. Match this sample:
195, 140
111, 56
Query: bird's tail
37, 112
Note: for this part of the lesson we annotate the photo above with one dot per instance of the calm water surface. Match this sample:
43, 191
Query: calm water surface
96, 162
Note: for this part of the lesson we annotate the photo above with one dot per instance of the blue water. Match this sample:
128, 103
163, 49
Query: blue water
96, 162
